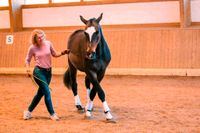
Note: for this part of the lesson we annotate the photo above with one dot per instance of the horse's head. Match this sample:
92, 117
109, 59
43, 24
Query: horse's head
92, 30
93, 22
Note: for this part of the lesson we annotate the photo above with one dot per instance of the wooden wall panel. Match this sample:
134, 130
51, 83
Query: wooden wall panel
165, 48
171, 48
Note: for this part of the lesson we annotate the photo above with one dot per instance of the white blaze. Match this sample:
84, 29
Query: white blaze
90, 31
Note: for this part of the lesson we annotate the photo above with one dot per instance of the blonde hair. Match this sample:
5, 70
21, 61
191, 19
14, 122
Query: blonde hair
34, 35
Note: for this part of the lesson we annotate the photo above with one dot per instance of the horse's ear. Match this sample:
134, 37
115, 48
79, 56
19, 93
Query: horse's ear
83, 20
99, 18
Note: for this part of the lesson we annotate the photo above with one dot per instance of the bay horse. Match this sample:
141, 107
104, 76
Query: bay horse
90, 54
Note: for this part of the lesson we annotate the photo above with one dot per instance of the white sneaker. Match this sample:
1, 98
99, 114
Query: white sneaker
108, 116
54, 117
27, 115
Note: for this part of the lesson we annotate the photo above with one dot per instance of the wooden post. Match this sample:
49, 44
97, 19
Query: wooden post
185, 13
15, 12
50, 2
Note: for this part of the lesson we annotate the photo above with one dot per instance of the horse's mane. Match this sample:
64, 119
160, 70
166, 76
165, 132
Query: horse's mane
102, 49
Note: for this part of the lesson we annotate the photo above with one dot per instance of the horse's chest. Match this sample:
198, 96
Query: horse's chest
77, 62
95, 65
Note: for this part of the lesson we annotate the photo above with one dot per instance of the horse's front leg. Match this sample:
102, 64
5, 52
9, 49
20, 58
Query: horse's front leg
87, 85
73, 74
95, 80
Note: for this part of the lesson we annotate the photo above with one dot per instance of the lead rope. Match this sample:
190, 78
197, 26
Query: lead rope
32, 78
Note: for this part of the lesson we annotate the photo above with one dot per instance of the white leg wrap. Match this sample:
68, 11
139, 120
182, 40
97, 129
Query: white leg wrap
77, 100
107, 111
89, 105
88, 94
105, 106
88, 114
89, 108
109, 116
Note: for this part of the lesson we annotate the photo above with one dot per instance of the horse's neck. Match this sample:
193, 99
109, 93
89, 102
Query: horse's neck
104, 51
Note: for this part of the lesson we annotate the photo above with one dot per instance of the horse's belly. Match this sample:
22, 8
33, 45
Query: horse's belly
77, 61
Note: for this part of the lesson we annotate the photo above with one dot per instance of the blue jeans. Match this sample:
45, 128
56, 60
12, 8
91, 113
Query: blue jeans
42, 77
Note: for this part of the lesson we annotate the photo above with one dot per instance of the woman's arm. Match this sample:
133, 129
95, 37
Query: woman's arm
57, 54
28, 71
28, 61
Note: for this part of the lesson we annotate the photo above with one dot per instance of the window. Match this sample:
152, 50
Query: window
3, 3
61, 1
27, 2
36, 2
93, 0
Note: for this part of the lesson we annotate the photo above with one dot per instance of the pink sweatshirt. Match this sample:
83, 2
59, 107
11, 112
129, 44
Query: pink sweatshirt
42, 55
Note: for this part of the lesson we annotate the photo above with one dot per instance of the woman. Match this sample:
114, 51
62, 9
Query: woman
41, 50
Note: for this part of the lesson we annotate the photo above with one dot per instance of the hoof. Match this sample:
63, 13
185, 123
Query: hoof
88, 114
111, 121
80, 109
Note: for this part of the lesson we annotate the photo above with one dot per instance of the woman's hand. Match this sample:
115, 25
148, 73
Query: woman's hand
28, 71
65, 52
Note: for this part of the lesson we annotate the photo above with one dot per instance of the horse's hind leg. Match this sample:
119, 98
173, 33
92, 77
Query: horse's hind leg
73, 73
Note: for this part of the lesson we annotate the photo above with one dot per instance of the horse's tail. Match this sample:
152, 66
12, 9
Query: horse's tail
67, 79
